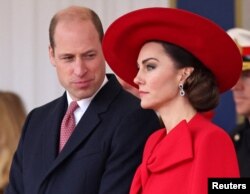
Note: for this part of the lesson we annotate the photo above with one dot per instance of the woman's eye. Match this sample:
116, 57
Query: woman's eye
150, 67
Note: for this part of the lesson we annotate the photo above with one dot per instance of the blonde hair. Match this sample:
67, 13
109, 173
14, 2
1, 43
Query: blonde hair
12, 116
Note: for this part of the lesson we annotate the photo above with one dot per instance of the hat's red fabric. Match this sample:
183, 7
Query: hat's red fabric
198, 35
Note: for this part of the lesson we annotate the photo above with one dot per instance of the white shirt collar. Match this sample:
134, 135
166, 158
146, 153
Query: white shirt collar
84, 103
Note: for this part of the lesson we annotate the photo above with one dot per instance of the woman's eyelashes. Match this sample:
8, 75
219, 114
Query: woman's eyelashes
150, 66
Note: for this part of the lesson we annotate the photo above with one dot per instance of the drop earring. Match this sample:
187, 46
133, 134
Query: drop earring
182, 92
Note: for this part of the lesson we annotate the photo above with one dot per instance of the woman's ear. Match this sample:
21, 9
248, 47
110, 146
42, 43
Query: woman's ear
186, 72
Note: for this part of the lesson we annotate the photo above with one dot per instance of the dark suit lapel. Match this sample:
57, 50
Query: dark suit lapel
51, 131
84, 128
89, 120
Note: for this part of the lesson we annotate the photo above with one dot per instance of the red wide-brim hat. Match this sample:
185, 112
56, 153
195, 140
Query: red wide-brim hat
203, 38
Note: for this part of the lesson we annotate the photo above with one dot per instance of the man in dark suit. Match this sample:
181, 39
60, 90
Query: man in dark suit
105, 147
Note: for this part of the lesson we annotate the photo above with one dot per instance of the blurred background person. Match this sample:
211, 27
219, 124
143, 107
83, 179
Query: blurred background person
241, 96
12, 116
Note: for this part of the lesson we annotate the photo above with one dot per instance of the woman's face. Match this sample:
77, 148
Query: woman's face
157, 77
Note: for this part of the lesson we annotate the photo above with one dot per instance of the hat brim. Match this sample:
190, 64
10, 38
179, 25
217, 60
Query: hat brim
198, 35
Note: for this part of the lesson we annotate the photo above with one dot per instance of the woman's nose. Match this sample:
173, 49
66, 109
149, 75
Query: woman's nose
138, 79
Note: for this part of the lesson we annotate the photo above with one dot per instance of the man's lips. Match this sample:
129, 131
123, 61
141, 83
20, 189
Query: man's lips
82, 84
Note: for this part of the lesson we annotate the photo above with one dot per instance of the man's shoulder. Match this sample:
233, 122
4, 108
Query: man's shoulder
47, 107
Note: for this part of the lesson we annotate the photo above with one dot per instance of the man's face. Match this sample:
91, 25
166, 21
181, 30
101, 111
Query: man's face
78, 58
241, 94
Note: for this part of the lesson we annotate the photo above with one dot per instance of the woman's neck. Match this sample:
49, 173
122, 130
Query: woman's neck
173, 114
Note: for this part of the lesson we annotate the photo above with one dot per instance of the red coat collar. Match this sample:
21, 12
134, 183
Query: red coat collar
171, 149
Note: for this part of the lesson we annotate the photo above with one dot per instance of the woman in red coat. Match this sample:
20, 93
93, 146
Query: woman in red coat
180, 62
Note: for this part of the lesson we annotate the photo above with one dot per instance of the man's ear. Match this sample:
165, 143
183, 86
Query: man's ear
51, 55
